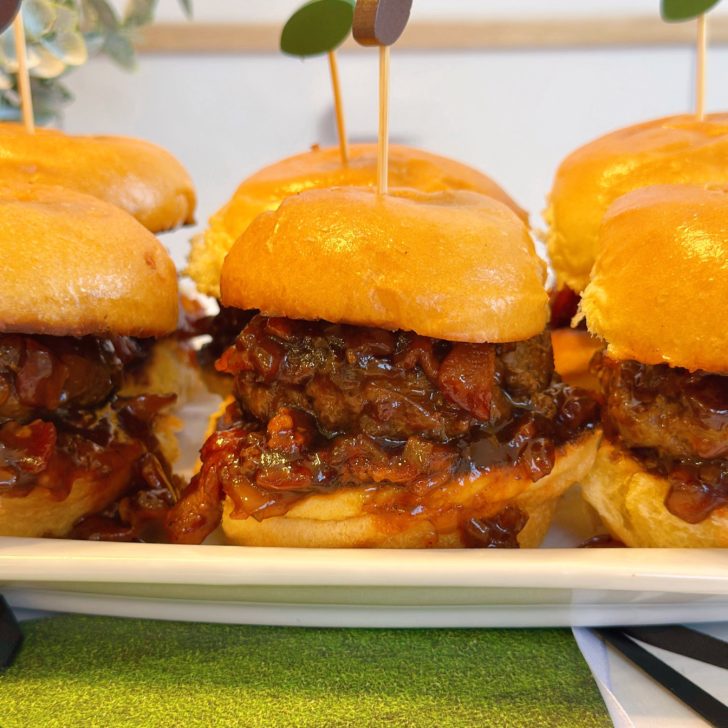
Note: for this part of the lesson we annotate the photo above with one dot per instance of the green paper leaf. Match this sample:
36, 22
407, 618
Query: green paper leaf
675, 11
317, 27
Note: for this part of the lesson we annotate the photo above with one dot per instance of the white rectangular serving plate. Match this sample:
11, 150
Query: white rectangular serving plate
554, 586
367, 588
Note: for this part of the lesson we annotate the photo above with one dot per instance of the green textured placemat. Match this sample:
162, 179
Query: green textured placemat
99, 671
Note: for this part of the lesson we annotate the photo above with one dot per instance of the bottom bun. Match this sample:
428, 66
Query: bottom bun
42, 513
342, 520
631, 502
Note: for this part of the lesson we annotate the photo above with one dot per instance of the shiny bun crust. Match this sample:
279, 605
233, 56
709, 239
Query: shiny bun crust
659, 288
75, 265
672, 150
340, 520
141, 178
321, 168
452, 265
631, 502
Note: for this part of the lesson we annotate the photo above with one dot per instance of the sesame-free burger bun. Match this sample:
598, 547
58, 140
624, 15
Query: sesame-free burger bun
321, 168
75, 265
671, 150
659, 287
452, 265
135, 175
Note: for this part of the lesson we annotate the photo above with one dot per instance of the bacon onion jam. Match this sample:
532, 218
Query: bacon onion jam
675, 422
62, 419
319, 406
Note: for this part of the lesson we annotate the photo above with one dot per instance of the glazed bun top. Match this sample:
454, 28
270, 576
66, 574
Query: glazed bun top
74, 265
140, 177
673, 150
454, 265
659, 288
320, 168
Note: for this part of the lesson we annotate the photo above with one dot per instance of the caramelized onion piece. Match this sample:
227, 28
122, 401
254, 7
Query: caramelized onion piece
466, 378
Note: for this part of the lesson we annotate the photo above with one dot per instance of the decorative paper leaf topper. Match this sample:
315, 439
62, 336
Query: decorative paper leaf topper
676, 10
317, 27
8, 11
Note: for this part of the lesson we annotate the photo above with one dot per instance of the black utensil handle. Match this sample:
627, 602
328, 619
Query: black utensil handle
10, 635
683, 641
703, 703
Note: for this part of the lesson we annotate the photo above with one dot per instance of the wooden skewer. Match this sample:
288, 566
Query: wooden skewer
383, 147
702, 43
26, 98
339, 107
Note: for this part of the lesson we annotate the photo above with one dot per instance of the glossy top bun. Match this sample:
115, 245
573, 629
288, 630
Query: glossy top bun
141, 178
75, 265
452, 265
672, 150
659, 288
322, 168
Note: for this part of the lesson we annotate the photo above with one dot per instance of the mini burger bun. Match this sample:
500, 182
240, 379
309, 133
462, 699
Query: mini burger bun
135, 175
321, 168
671, 150
74, 265
341, 519
40, 513
631, 502
659, 287
453, 265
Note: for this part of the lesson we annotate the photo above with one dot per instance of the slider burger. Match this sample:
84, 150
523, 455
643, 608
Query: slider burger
658, 298
315, 169
84, 286
139, 177
396, 388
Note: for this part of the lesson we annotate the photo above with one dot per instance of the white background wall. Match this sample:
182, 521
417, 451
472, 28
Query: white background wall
514, 114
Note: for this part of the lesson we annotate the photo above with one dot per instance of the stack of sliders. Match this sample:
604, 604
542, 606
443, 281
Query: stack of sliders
670, 150
395, 388
658, 299
85, 289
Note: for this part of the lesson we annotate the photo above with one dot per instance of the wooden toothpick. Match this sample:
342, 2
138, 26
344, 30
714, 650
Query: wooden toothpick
701, 52
339, 108
383, 141
26, 98
321, 26
380, 23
